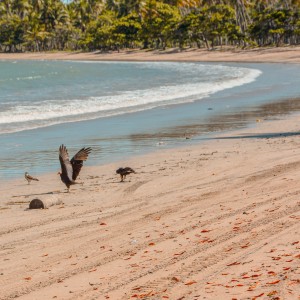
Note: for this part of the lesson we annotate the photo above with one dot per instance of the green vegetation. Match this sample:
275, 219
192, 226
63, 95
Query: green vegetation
47, 25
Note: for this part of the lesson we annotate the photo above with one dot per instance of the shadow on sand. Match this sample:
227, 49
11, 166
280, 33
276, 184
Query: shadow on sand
258, 136
39, 194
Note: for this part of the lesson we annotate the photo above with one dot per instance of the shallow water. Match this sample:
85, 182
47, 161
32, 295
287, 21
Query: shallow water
124, 109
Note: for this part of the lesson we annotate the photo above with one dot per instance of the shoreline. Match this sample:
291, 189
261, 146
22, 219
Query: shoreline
233, 133
149, 135
289, 54
219, 219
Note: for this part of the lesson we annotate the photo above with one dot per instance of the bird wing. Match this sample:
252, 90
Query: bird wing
78, 159
30, 177
66, 167
129, 170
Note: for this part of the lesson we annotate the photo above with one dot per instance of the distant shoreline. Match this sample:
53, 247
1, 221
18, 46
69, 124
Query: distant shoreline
289, 54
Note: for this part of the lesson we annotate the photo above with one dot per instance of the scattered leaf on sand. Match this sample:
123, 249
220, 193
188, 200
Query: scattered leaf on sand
206, 240
295, 217
180, 253
295, 281
146, 294
272, 273
273, 282
252, 287
234, 264
276, 258
246, 245
260, 295
175, 279
228, 250
93, 270
191, 282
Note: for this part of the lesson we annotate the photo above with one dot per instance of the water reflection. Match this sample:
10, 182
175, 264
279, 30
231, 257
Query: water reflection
223, 122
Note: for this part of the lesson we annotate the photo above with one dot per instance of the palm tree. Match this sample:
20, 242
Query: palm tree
5, 7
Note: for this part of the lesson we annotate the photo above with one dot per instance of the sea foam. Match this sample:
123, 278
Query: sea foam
26, 115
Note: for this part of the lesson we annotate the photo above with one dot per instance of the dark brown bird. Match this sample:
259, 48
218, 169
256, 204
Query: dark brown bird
124, 171
29, 177
70, 168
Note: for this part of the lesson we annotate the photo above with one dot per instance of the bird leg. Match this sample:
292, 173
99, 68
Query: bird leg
121, 177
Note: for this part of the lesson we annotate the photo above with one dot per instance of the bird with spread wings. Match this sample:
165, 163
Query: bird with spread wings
70, 169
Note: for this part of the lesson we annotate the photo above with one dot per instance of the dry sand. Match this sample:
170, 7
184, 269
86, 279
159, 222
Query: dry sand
219, 220
280, 54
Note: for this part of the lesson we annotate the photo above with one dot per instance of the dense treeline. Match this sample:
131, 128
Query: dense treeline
45, 25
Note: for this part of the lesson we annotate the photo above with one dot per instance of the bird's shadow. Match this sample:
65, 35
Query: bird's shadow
268, 135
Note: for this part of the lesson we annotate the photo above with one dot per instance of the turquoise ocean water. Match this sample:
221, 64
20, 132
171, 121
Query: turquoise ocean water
122, 109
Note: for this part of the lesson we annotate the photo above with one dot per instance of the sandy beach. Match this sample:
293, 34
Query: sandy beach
279, 55
215, 221
218, 220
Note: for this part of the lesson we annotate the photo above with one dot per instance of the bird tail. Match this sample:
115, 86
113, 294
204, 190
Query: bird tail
35, 179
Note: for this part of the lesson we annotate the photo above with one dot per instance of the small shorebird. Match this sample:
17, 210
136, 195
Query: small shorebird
70, 168
124, 171
29, 177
